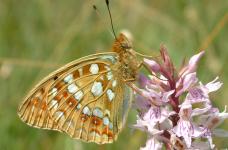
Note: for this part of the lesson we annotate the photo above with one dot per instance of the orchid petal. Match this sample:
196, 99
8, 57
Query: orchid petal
166, 95
193, 62
143, 80
188, 81
142, 125
187, 130
154, 115
199, 111
152, 144
197, 95
192, 65
213, 85
141, 104
154, 66
215, 120
184, 129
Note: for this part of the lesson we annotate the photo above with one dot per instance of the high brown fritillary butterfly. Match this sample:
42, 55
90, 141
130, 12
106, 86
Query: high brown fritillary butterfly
88, 98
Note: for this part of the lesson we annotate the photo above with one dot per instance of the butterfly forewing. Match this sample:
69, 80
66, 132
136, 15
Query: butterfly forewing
80, 99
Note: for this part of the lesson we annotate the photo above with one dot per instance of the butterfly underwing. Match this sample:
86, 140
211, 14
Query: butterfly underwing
88, 98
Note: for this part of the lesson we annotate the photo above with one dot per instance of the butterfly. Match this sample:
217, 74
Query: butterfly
88, 98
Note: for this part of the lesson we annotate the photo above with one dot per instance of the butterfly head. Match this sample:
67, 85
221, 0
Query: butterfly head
122, 43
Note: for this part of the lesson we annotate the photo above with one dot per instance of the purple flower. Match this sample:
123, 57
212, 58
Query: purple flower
185, 83
155, 67
157, 97
192, 64
153, 134
211, 121
165, 106
200, 93
153, 142
185, 127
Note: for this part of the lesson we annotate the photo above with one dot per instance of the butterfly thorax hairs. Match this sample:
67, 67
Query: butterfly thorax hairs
127, 58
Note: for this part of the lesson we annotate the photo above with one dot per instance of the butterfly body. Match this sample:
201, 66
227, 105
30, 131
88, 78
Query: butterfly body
88, 98
127, 58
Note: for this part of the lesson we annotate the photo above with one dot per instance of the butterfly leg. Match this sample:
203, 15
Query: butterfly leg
140, 65
129, 80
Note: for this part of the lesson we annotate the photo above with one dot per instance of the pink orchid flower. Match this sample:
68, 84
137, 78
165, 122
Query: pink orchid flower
165, 106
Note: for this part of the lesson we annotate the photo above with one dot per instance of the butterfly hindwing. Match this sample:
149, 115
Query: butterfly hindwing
84, 106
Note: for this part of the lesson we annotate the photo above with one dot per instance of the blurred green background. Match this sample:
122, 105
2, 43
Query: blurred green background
38, 36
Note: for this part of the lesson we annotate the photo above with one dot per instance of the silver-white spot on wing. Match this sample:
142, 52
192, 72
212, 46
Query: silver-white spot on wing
106, 121
110, 94
94, 69
79, 95
72, 88
97, 89
59, 114
110, 58
110, 125
54, 104
97, 112
114, 83
79, 106
109, 75
54, 91
68, 78
86, 111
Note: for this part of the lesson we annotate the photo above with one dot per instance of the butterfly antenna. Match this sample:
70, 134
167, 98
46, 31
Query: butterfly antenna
100, 17
110, 16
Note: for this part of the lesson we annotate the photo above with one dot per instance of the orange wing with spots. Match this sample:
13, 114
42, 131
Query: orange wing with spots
82, 104
81, 99
88, 98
